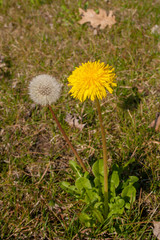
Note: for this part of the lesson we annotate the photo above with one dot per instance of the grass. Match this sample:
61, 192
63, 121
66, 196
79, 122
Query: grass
45, 37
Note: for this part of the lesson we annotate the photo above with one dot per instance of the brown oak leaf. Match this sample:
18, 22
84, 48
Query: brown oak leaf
74, 122
101, 19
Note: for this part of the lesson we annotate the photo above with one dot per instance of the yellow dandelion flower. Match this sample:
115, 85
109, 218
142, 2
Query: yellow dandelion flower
91, 80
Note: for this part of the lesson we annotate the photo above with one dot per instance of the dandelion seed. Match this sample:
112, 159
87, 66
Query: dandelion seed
91, 80
44, 90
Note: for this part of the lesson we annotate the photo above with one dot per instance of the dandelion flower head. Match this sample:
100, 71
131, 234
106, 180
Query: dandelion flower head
44, 89
91, 80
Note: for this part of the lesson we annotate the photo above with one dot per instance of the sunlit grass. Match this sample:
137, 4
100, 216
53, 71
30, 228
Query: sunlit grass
44, 37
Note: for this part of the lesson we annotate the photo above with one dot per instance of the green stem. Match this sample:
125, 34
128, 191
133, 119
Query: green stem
67, 139
104, 160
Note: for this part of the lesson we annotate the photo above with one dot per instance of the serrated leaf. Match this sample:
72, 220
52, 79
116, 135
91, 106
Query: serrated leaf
83, 183
101, 19
129, 192
130, 181
116, 211
116, 202
116, 207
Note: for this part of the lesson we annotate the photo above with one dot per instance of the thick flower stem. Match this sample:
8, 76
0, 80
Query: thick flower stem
104, 160
67, 139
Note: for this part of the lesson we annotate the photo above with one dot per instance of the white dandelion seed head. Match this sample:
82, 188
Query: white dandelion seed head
44, 89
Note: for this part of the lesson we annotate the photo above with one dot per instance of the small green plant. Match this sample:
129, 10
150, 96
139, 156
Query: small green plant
90, 190
104, 193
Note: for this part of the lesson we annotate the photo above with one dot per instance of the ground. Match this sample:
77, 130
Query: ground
44, 37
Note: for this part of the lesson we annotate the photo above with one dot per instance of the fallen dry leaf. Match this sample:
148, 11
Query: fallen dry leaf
74, 122
140, 89
156, 229
101, 19
156, 123
155, 29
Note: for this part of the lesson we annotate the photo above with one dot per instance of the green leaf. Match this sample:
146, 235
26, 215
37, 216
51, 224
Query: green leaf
98, 205
83, 183
130, 161
128, 205
98, 215
133, 179
98, 169
91, 196
68, 187
116, 202
130, 181
129, 193
99, 183
75, 167
86, 174
114, 179
85, 219
116, 211
116, 206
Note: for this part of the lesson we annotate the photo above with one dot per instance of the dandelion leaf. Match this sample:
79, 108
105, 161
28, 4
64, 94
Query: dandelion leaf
83, 183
